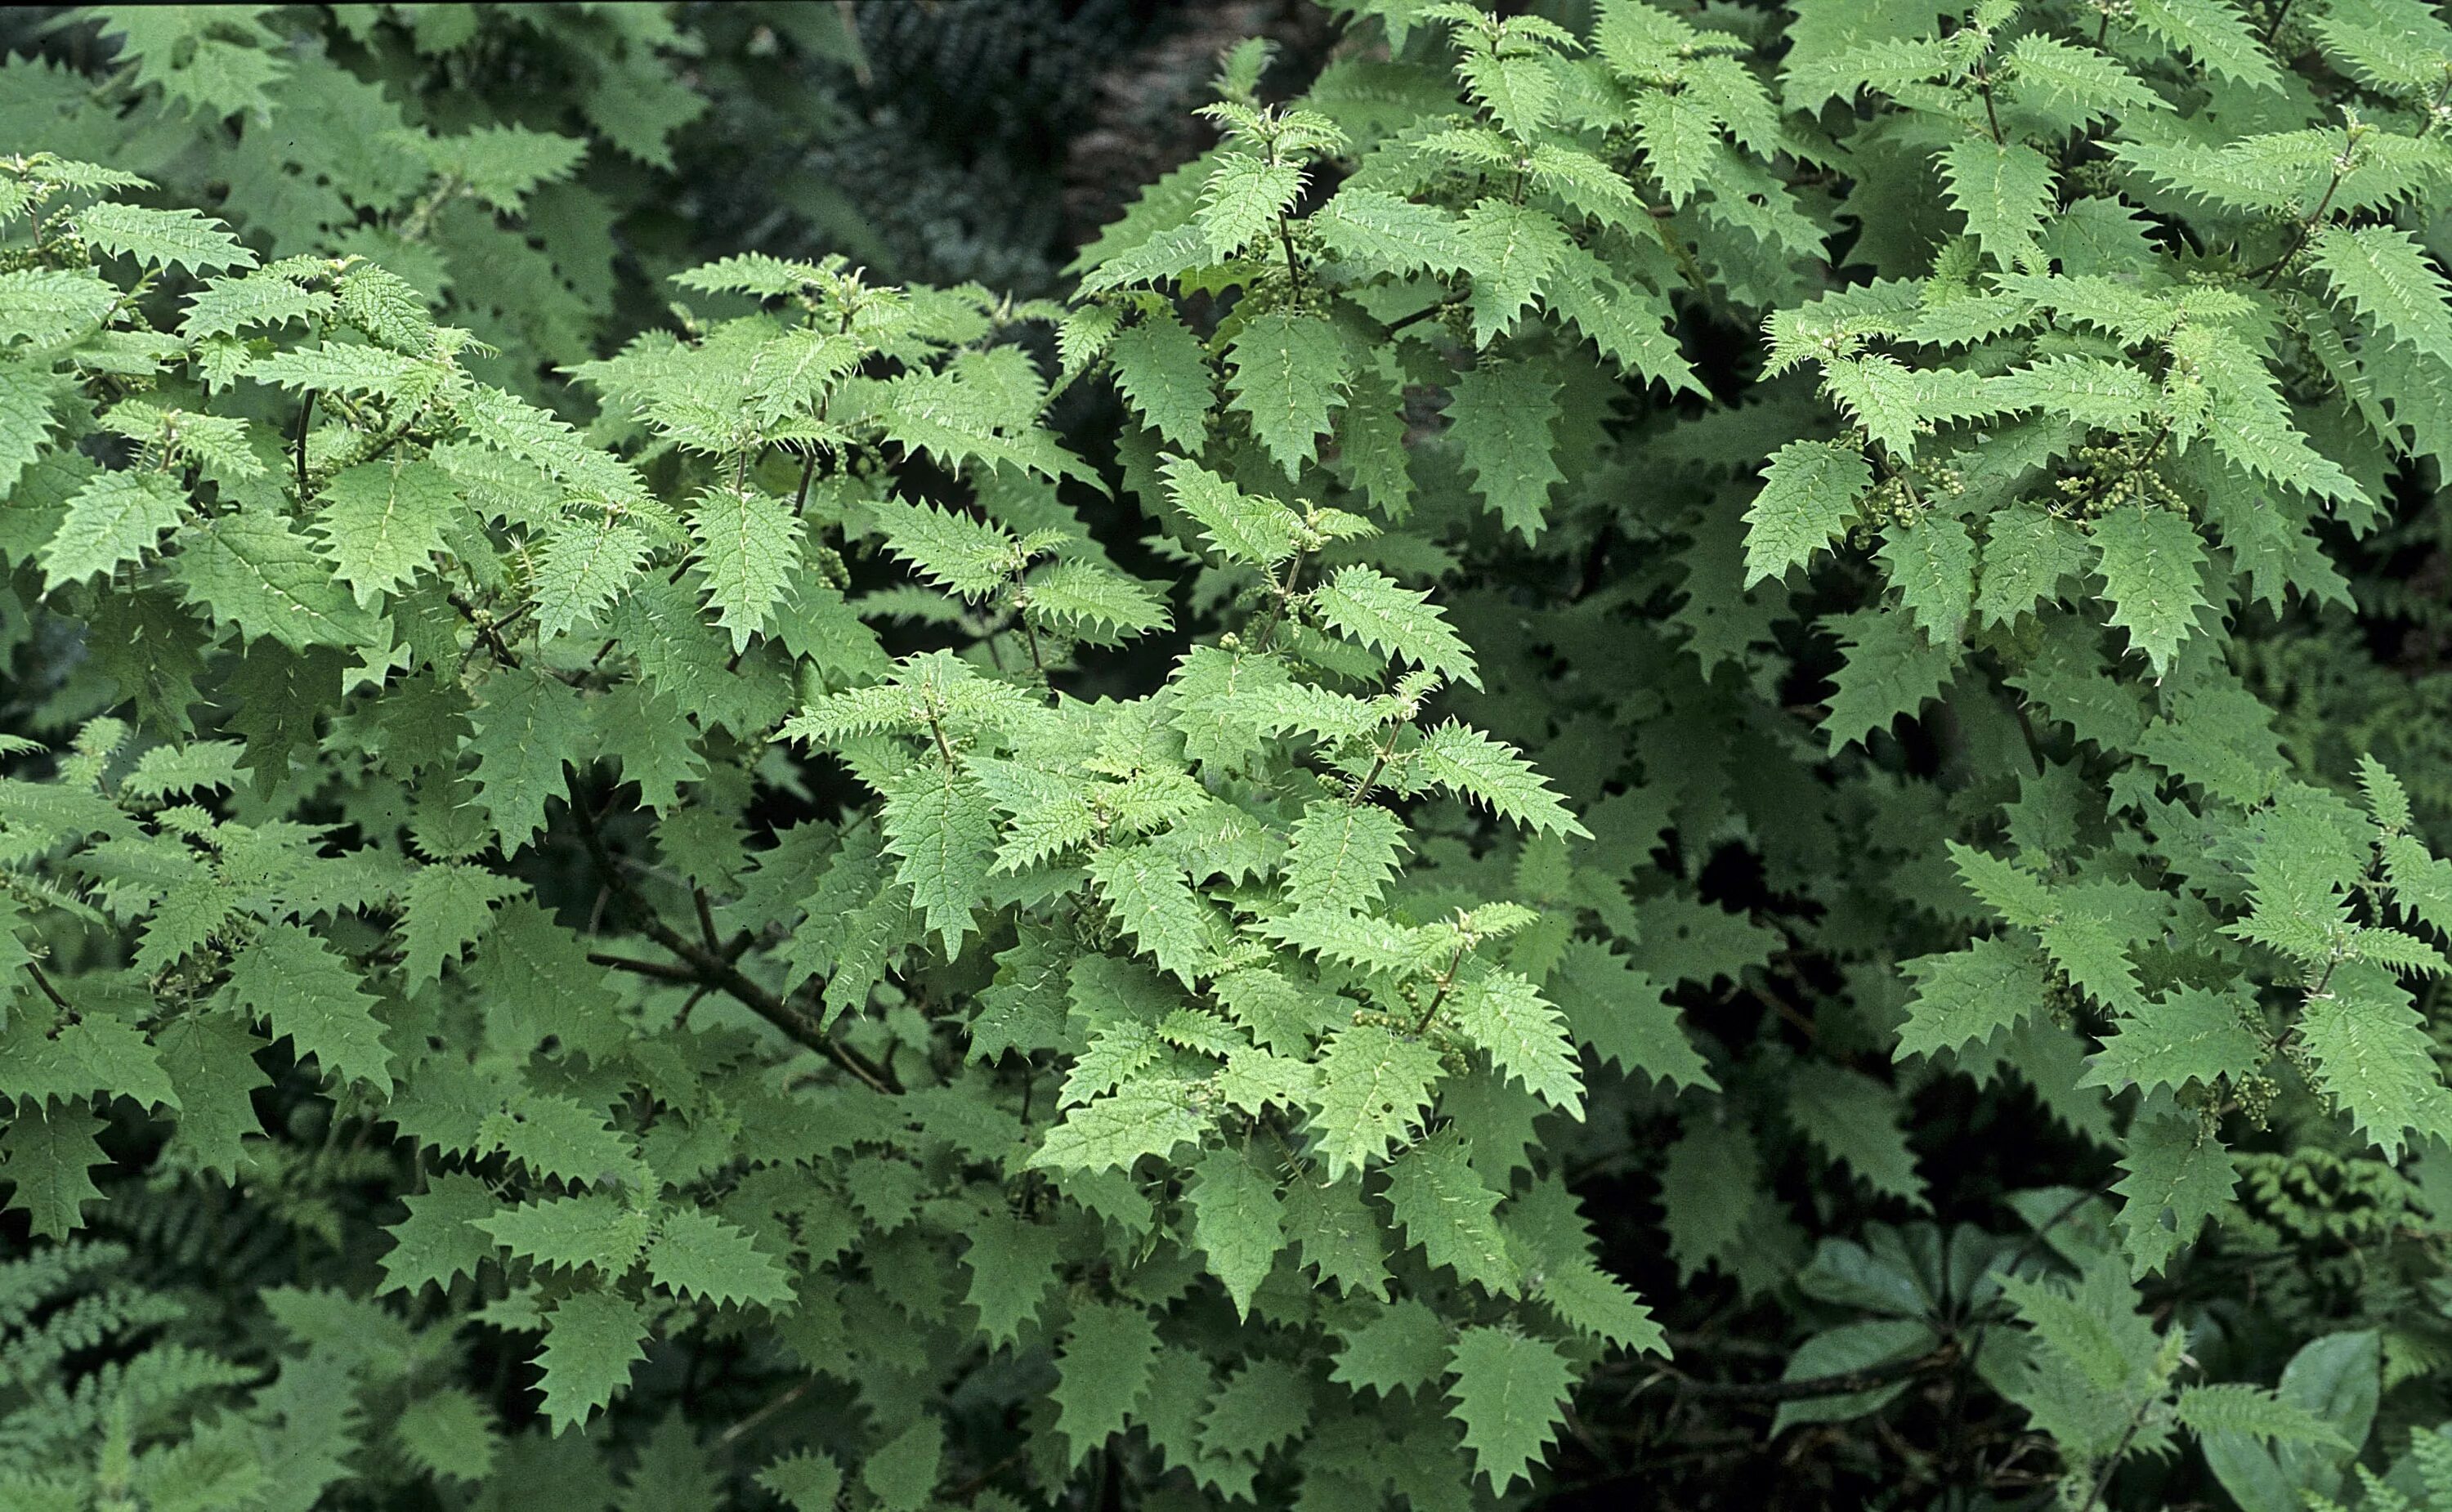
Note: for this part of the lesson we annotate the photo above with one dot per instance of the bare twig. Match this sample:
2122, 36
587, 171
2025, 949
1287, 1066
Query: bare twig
1843, 1384
48, 991
759, 1415
715, 969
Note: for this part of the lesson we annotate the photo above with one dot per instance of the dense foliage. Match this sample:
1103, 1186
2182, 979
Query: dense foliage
1642, 750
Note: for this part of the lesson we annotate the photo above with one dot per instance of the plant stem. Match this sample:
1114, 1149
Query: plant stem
2103, 1482
808, 474
2306, 229
1447, 981
1842, 1383
48, 991
715, 969
298, 444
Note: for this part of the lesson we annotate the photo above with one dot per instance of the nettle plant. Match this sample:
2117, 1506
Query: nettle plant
2161, 410
1104, 998
487, 155
776, 910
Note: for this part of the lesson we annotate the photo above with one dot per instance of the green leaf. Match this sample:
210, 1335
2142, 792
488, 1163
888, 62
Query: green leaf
446, 907
386, 307
2333, 1379
2189, 1035
2045, 71
1505, 1016
210, 1059
1891, 668
2086, 390
503, 165
973, 558
1504, 417
527, 727
1013, 1263
340, 367
907, 1466
1340, 1235
941, 829
1855, 1119
1378, 231
1514, 249
1518, 89
1237, 1222
1108, 1134
1711, 1162
28, 393
1401, 1346
2371, 1056
440, 1240
2383, 274
181, 238
1809, 493
1289, 374
1265, 1404
1932, 565
309, 995
2177, 1175
1102, 1371
2216, 34
1599, 1305
2233, 1406
1152, 900
1631, 326
697, 1256
805, 1481
2026, 553
1472, 765
1243, 528
1851, 1347
591, 1229
1163, 370
45, 1155
1343, 855
81, 1054
115, 518
750, 548
1679, 138
2149, 560
227, 305
1081, 598
1965, 996
592, 1341
1510, 1395
1368, 605
2422, 884
1374, 1088
1448, 1210
251, 570
47, 305
1624, 1016
2005, 193
1897, 405
1243, 199
383, 522
581, 568
2300, 868
563, 1139
448, 1434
